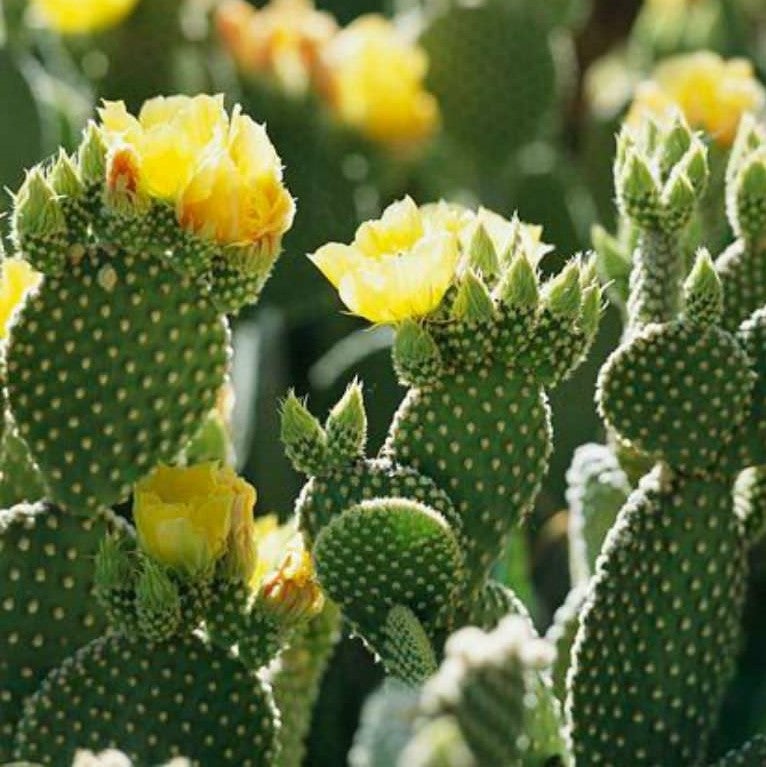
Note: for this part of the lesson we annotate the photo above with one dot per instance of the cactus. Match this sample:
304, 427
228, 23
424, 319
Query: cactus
493, 690
645, 647
489, 60
423, 523
113, 366
48, 610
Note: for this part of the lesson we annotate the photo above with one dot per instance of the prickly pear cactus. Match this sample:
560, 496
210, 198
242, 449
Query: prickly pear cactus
47, 598
469, 445
493, 693
118, 357
648, 673
488, 60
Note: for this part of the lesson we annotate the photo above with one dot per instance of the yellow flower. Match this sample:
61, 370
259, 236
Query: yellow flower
398, 267
282, 40
17, 278
376, 83
711, 92
222, 174
78, 17
291, 590
272, 541
188, 518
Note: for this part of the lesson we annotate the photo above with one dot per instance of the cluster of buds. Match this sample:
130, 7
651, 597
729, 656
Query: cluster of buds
660, 173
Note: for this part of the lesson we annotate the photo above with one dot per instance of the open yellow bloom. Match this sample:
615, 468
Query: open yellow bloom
376, 83
17, 278
711, 92
282, 40
187, 518
222, 174
397, 267
78, 17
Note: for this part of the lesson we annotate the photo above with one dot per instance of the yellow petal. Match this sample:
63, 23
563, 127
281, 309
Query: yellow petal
397, 230
335, 260
82, 16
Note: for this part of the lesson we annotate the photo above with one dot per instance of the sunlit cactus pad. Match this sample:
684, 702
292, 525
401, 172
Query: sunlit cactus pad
111, 369
152, 701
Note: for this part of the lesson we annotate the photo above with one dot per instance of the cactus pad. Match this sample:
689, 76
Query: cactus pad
324, 498
752, 754
401, 551
648, 673
676, 393
46, 605
486, 440
100, 398
153, 702
489, 61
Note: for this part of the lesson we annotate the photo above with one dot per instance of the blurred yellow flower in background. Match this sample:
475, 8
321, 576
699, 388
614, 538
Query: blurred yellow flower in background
397, 267
283, 40
187, 518
17, 278
78, 17
711, 92
222, 173
375, 81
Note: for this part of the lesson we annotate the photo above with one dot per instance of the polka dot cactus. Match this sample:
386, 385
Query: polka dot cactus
660, 629
47, 610
677, 393
112, 368
152, 701
495, 687
597, 487
401, 552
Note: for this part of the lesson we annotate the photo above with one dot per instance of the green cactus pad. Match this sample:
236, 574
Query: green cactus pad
752, 754
752, 444
488, 61
324, 498
407, 650
496, 687
47, 610
743, 274
152, 701
561, 634
676, 393
112, 368
597, 489
660, 630
384, 553
20, 480
486, 440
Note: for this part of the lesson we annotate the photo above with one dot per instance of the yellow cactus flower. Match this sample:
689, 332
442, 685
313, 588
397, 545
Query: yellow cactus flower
398, 267
80, 17
272, 541
711, 92
222, 174
291, 590
282, 40
17, 278
375, 83
188, 518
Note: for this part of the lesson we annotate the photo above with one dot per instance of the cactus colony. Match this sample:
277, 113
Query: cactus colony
136, 609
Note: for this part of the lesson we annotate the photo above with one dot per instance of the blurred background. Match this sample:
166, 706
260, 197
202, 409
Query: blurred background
512, 104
